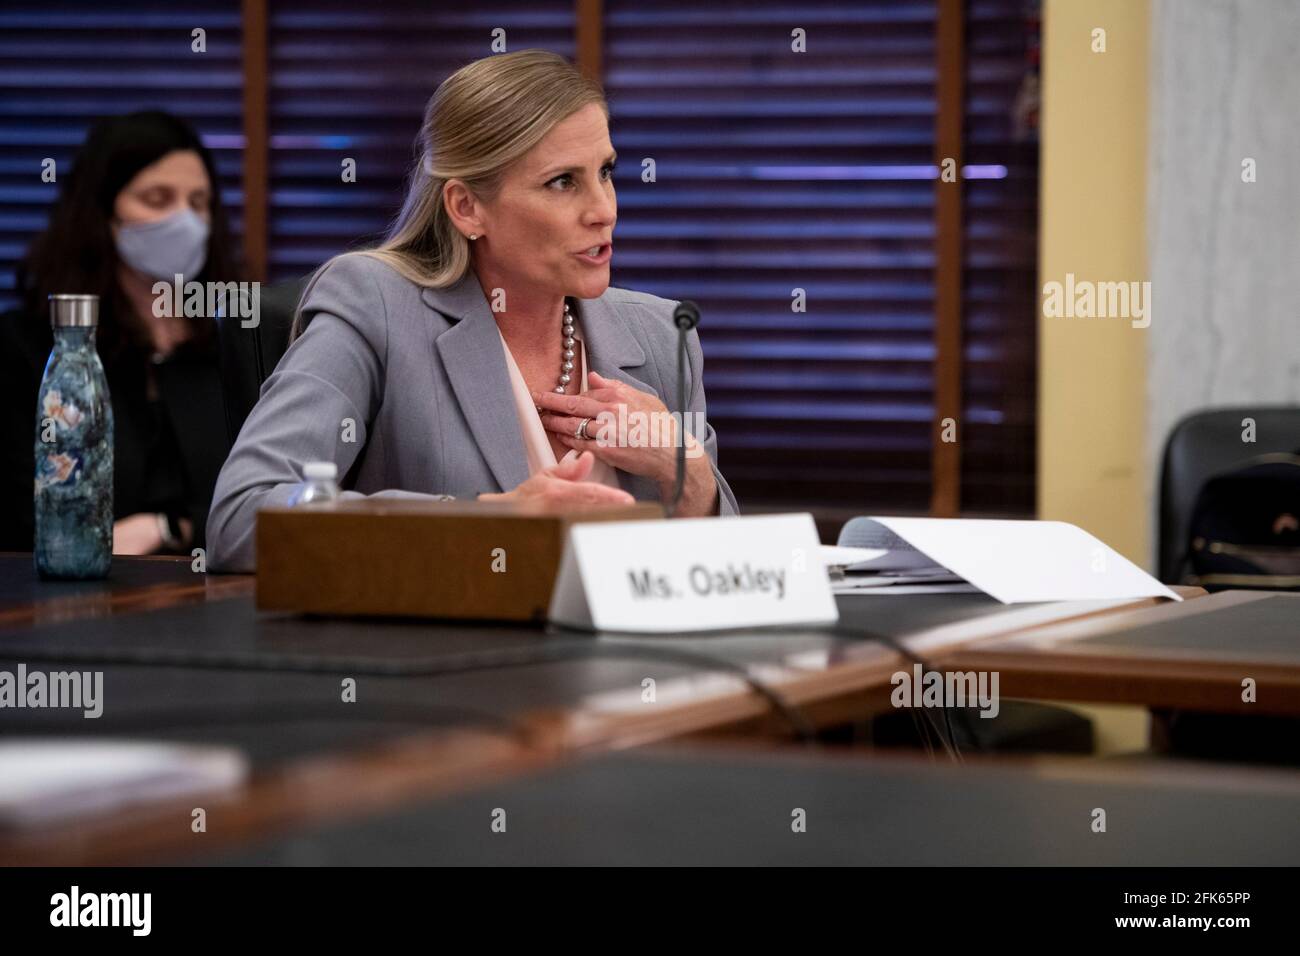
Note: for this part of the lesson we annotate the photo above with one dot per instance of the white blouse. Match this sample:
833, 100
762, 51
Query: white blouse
536, 445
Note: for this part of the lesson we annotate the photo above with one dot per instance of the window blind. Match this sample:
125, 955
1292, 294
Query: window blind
1000, 215
62, 66
778, 171
779, 178
350, 81
780, 174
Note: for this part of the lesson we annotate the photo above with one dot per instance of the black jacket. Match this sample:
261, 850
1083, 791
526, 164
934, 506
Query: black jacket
167, 453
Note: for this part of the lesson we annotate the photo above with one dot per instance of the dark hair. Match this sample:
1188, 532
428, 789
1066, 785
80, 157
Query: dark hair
76, 252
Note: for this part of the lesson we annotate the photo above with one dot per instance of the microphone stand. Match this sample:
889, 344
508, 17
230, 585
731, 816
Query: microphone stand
686, 317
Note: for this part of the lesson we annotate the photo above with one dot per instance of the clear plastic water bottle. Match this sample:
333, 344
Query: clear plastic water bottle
74, 449
320, 484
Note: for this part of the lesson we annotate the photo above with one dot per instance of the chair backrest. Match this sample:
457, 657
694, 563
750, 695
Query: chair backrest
249, 355
1205, 444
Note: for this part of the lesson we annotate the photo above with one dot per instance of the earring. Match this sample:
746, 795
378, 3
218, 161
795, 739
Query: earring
473, 236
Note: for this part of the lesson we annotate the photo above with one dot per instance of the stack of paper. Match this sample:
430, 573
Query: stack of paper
43, 781
877, 558
1012, 561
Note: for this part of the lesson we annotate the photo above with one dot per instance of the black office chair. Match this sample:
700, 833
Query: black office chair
1201, 446
249, 355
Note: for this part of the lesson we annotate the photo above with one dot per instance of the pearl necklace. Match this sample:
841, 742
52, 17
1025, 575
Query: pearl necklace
566, 361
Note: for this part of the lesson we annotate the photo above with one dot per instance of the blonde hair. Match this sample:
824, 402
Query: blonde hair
481, 119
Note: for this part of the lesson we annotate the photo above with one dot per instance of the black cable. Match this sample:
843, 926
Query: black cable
950, 742
680, 483
963, 717
922, 734
544, 653
686, 316
947, 722
947, 745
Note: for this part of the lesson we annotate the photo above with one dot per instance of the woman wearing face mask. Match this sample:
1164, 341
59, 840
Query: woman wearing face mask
478, 350
141, 204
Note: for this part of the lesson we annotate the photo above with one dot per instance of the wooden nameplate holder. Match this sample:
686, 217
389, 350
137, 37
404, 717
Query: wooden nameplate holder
406, 558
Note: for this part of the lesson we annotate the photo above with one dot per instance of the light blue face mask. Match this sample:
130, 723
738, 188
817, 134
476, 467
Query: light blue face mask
175, 244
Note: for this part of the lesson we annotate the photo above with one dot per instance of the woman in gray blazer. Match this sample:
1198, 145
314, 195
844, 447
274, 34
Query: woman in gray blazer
449, 361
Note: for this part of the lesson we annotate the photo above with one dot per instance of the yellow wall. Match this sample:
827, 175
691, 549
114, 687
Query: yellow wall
1092, 372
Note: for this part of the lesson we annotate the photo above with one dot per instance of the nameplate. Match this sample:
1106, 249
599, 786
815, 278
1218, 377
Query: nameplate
693, 574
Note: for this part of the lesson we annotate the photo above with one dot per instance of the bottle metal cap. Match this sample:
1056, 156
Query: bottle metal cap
320, 470
74, 311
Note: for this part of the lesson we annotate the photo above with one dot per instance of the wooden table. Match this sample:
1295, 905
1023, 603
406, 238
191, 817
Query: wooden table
133, 584
1153, 657
175, 651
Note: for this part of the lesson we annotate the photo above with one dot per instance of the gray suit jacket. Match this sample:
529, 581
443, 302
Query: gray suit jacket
406, 390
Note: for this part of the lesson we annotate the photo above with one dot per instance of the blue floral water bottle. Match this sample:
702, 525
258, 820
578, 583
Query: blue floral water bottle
74, 448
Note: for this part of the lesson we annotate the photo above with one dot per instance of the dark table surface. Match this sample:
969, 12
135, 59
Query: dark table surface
220, 671
1267, 629
665, 808
272, 683
20, 585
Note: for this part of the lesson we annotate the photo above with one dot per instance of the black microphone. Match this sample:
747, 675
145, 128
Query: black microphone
686, 317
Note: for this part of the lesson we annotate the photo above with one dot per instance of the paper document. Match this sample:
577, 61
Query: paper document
1012, 561
852, 585
837, 557
868, 534
44, 780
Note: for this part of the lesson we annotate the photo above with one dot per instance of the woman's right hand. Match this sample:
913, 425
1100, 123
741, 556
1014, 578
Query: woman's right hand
564, 484
137, 534
141, 533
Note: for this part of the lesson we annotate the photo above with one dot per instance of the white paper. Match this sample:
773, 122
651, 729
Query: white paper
851, 586
43, 780
870, 535
1021, 561
836, 556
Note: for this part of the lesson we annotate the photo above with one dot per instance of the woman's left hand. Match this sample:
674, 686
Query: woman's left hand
648, 443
